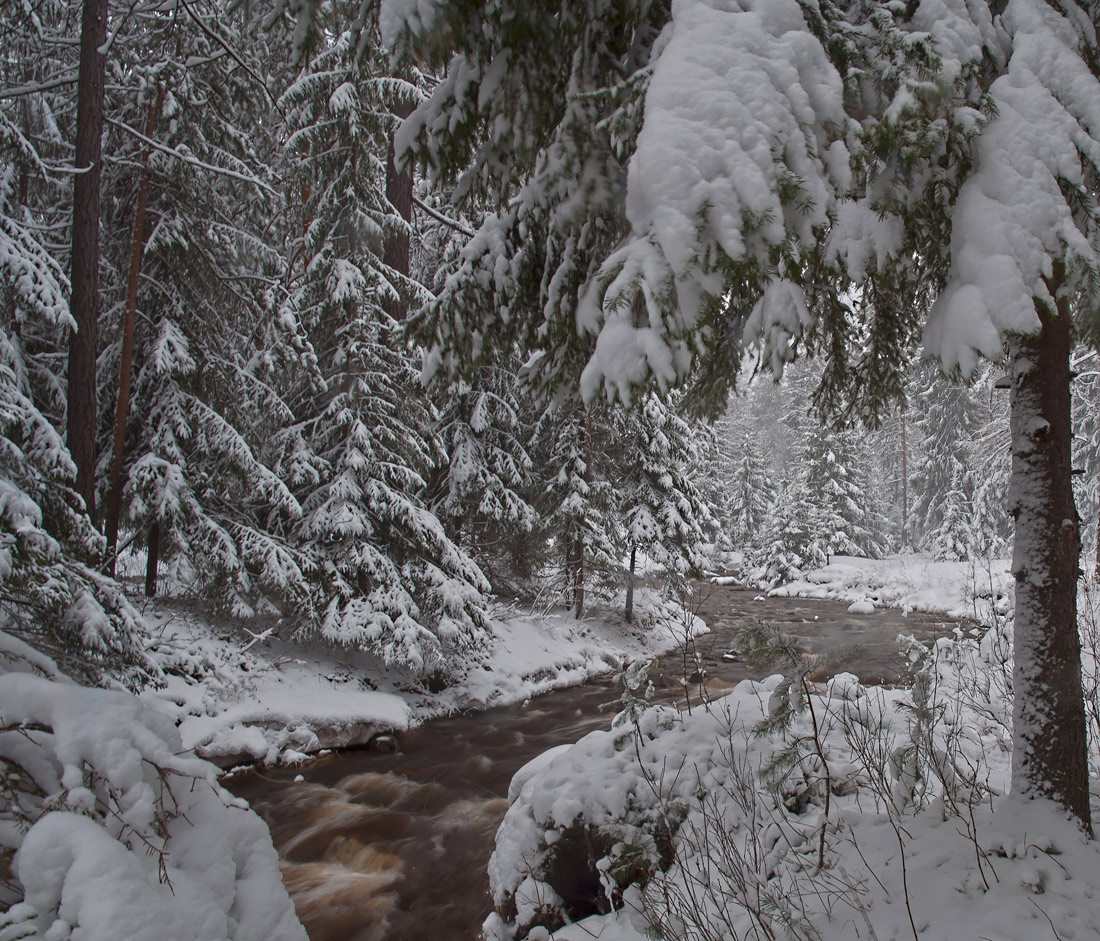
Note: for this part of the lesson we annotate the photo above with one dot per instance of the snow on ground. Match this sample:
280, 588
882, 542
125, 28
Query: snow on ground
912, 582
246, 692
241, 696
884, 814
917, 838
111, 829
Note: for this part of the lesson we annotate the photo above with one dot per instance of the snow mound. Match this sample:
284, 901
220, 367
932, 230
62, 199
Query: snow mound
861, 607
977, 588
120, 833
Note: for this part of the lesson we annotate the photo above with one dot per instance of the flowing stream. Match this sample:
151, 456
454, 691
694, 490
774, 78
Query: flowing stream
394, 846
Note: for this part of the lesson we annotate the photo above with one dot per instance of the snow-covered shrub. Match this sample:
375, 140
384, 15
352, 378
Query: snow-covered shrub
876, 813
113, 832
601, 811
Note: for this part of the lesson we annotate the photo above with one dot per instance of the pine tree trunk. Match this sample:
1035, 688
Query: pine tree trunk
399, 192
1049, 747
84, 303
122, 408
630, 586
152, 562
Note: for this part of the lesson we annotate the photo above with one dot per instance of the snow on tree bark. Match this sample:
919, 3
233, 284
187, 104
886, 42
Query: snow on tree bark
1049, 739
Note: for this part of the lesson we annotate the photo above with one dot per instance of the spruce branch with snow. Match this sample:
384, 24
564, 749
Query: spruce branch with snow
933, 168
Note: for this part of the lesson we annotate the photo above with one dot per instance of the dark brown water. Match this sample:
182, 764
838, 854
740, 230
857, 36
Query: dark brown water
394, 846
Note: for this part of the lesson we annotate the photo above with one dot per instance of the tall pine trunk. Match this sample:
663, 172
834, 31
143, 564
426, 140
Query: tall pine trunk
399, 192
84, 304
122, 408
579, 580
1049, 740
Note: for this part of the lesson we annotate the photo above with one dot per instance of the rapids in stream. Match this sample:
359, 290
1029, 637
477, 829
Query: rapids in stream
393, 847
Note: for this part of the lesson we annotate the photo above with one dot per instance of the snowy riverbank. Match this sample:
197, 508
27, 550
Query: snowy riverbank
116, 778
833, 813
912, 581
241, 696
117, 829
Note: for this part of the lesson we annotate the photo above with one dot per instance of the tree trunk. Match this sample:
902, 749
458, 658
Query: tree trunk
578, 579
84, 303
122, 408
904, 485
630, 586
579, 591
399, 192
1049, 748
152, 562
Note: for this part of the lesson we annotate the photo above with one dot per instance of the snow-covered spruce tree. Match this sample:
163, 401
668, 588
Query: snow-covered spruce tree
788, 547
1086, 447
833, 474
1020, 82
960, 477
954, 537
945, 420
890, 452
483, 487
578, 503
51, 593
827, 507
665, 514
542, 138
36, 131
991, 459
384, 575
750, 494
195, 483
899, 126
483, 490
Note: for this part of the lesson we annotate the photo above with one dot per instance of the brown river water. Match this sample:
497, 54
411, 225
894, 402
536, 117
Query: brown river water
394, 846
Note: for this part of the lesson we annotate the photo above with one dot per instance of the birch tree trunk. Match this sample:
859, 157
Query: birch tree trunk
1049, 740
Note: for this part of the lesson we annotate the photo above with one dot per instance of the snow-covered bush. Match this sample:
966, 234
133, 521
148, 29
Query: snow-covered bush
112, 831
883, 813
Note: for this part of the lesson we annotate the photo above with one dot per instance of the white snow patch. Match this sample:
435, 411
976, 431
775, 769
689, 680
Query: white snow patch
913, 582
